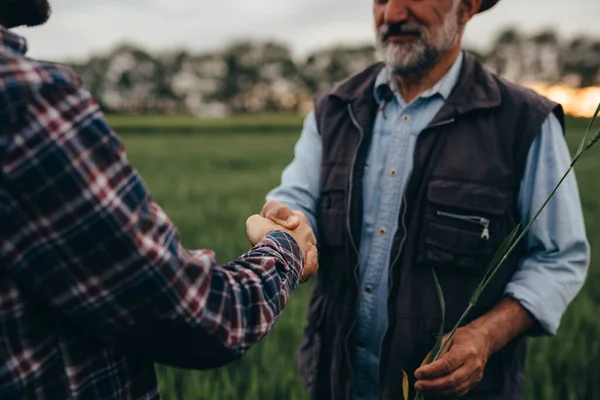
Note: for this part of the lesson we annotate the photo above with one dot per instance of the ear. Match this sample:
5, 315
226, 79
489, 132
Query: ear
467, 10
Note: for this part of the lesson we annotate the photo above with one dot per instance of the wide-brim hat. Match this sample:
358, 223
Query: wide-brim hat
487, 4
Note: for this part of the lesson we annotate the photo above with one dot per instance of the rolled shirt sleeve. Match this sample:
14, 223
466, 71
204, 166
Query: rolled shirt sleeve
558, 254
299, 188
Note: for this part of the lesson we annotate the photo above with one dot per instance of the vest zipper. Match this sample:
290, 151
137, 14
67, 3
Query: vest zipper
350, 186
484, 222
404, 228
351, 179
352, 242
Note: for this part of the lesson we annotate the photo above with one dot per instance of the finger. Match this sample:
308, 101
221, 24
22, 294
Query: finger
301, 216
304, 220
311, 264
251, 231
313, 238
251, 224
445, 350
258, 227
281, 214
252, 220
445, 365
459, 391
449, 382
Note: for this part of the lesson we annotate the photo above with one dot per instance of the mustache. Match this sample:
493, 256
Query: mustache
400, 28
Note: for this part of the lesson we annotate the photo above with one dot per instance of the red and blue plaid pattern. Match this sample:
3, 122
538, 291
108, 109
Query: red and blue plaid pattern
95, 285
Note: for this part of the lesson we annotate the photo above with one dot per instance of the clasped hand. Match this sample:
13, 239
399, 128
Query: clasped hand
278, 216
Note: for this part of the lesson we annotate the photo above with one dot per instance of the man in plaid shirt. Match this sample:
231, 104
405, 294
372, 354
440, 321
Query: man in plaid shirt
95, 285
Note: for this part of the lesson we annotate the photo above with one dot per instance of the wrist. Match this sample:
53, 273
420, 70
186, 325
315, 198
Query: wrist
288, 251
505, 322
484, 331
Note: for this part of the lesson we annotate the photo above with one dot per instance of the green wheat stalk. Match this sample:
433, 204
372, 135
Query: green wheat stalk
503, 252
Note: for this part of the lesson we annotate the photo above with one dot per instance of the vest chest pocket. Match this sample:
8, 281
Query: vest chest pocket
464, 223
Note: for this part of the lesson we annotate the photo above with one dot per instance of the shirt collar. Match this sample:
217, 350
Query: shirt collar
12, 41
443, 87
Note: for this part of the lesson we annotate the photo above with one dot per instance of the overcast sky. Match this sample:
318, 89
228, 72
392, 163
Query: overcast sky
79, 28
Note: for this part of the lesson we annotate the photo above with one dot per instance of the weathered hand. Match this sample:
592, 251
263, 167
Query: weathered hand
311, 264
281, 214
459, 368
258, 226
292, 220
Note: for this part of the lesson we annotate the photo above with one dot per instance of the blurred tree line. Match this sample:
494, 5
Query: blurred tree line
249, 77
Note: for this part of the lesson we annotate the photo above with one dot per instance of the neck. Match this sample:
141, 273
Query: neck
411, 86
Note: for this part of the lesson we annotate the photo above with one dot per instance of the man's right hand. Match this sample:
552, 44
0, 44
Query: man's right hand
257, 227
282, 215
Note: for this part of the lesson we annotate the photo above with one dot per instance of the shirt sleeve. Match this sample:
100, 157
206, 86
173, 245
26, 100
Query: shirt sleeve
87, 242
555, 267
300, 180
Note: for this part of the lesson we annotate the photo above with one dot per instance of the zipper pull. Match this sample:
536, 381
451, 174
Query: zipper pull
486, 229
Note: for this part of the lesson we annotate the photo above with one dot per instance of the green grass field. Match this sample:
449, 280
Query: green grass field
210, 183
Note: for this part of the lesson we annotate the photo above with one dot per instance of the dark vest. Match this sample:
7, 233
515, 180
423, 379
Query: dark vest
468, 162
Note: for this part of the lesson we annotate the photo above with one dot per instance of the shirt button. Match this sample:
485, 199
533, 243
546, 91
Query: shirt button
368, 288
362, 343
405, 117
393, 172
361, 393
382, 231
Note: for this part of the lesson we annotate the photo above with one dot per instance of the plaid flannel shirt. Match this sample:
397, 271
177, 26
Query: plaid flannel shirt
94, 283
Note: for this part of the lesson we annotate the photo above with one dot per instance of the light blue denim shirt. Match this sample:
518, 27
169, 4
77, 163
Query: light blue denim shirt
549, 276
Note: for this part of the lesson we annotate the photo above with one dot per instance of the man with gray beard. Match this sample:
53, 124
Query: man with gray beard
426, 162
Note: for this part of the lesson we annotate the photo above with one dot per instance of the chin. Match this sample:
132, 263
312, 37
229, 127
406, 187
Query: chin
402, 54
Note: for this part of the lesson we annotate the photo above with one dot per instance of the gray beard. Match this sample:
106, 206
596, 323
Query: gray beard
412, 59
408, 60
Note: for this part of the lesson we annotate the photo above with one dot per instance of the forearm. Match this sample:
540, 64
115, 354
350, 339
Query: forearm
248, 295
242, 303
89, 244
505, 322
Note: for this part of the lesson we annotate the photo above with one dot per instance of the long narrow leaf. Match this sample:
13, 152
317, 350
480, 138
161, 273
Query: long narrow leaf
405, 385
508, 240
504, 246
426, 359
440, 337
582, 144
593, 141
440, 295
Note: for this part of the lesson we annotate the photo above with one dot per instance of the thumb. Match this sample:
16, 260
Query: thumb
252, 224
311, 264
280, 214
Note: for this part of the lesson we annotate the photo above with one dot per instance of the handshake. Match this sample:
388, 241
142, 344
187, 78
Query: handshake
277, 216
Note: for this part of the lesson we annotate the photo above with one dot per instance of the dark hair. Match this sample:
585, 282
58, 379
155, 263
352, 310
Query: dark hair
15, 13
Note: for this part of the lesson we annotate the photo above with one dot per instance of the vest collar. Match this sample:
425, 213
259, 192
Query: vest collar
476, 88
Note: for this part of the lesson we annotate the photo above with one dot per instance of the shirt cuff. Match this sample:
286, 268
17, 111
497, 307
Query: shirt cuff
288, 251
544, 302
